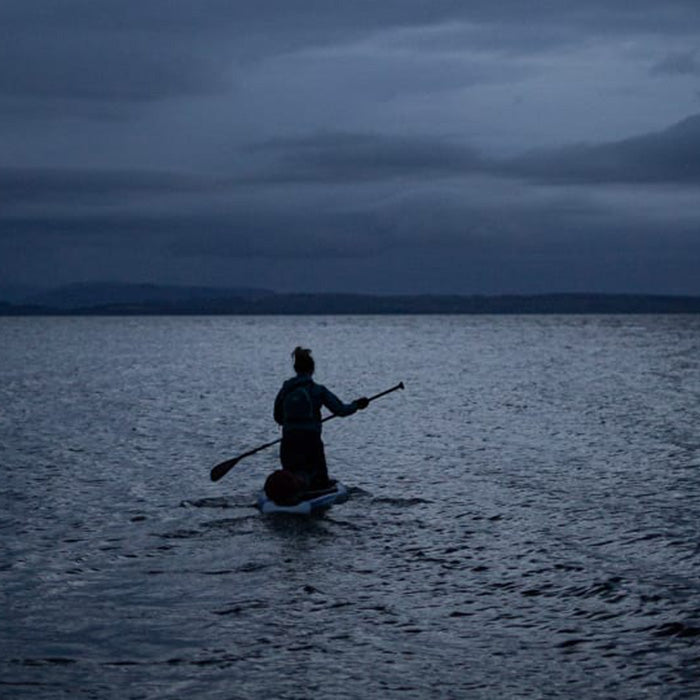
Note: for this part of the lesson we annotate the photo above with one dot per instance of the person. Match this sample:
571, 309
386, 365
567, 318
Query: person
298, 410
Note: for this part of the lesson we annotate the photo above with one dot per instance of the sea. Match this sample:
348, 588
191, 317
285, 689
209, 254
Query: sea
523, 522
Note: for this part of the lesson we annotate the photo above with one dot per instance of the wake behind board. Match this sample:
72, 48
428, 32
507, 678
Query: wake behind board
319, 501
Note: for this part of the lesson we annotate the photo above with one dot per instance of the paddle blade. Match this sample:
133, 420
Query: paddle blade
220, 470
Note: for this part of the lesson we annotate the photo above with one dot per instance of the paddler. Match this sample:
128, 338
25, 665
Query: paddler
298, 410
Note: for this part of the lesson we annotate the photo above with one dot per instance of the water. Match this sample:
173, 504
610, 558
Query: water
523, 518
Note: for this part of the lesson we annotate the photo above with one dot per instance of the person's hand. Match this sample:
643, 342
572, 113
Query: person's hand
362, 402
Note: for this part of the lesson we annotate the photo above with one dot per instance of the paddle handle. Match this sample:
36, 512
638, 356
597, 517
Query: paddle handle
386, 391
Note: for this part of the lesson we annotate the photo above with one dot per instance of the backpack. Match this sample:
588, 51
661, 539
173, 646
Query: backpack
298, 406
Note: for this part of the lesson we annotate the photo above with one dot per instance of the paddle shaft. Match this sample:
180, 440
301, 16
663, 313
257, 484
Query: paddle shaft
220, 470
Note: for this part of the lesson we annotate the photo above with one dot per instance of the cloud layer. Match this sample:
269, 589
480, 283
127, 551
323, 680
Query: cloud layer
394, 146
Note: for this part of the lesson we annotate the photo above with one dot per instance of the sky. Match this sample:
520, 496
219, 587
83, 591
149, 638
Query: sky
370, 146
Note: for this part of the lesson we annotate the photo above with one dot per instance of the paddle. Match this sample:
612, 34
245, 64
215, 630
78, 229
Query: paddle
220, 470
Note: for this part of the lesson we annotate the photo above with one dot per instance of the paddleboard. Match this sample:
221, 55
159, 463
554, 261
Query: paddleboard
319, 501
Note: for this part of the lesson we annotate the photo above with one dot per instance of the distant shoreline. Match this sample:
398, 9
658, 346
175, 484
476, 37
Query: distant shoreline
270, 304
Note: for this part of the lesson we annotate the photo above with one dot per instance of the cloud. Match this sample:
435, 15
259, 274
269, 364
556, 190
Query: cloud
322, 139
128, 68
356, 157
51, 186
345, 194
144, 50
671, 156
678, 63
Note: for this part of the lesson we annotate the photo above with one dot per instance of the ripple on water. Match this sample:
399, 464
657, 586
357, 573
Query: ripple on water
522, 522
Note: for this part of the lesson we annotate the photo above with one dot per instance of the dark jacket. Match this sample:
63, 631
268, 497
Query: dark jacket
320, 396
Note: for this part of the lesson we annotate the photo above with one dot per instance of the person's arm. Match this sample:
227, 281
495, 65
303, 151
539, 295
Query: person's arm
335, 405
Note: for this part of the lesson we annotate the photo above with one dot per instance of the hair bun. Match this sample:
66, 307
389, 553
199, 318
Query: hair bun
300, 352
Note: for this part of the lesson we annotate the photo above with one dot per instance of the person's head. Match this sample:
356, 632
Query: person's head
303, 362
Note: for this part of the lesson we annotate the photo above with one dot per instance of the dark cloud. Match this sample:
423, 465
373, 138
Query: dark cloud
368, 192
129, 50
671, 156
382, 146
346, 157
113, 68
419, 242
678, 63
284, 234
50, 186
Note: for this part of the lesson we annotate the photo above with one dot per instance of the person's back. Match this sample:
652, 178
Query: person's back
299, 402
